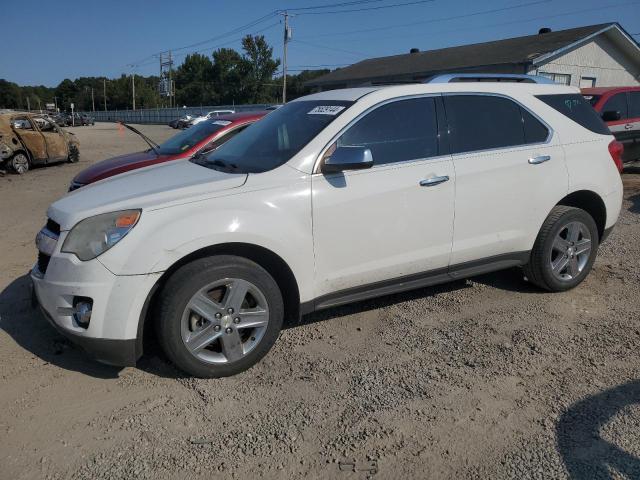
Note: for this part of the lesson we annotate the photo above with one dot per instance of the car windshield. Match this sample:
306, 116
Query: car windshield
276, 138
188, 138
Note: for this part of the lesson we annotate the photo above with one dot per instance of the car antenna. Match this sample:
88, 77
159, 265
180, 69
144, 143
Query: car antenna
154, 146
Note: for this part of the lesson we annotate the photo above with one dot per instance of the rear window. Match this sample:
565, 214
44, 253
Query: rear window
191, 137
578, 109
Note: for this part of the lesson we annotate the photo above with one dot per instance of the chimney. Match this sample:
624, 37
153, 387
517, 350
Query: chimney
544, 30
414, 50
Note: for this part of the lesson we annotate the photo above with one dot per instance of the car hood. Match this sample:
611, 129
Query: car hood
113, 166
150, 188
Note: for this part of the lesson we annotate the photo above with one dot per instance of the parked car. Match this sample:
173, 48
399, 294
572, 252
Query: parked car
180, 122
87, 119
31, 139
620, 109
205, 137
209, 115
334, 198
62, 119
185, 122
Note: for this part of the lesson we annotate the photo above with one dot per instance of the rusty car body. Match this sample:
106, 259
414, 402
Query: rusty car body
28, 139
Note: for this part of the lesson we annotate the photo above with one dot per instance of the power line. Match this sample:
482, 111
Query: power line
212, 39
357, 54
416, 2
213, 47
332, 5
432, 20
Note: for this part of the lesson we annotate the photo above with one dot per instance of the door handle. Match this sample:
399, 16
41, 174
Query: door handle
432, 181
539, 159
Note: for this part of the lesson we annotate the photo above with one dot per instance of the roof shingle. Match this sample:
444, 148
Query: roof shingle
517, 50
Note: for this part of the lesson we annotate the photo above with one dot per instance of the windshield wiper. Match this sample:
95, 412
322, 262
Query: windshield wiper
222, 164
154, 146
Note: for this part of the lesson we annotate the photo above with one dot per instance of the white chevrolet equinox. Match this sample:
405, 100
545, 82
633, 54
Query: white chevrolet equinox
333, 198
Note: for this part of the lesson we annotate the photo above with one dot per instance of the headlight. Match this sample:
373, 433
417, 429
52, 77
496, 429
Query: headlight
95, 235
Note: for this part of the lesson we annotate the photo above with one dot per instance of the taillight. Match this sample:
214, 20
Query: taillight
615, 149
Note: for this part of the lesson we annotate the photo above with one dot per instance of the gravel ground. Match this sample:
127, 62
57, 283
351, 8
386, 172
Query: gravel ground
484, 378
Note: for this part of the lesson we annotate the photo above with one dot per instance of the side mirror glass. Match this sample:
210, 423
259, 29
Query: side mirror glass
611, 115
348, 158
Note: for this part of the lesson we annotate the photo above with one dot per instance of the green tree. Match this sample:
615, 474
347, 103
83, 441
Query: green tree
194, 81
259, 68
228, 76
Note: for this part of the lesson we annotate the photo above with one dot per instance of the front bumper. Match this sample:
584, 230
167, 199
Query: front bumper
113, 335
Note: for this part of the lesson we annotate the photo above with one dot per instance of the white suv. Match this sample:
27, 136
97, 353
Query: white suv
333, 198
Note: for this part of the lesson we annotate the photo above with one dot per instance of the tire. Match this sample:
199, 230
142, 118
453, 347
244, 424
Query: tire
19, 163
559, 259
207, 346
74, 154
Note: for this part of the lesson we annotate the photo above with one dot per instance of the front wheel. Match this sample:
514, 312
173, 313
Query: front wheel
19, 163
219, 316
564, 251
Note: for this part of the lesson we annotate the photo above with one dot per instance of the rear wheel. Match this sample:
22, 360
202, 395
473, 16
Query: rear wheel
19, 163
564, 251
74, 154
219, 316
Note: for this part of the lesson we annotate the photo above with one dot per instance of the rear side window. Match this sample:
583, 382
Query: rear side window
534, 129
396, 132
577, 109
484, 122
617, 103
634, 104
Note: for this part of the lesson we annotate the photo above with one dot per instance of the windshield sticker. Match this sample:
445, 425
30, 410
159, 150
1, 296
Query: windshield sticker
221, 122
326, 110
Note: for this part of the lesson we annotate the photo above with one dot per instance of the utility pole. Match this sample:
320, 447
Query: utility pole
93, 102
28, 103
104, 92
133, 89
171, 90
55, 100
287, 39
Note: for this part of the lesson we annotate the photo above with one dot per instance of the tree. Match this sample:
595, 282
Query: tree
295, 83
66, 92
228, 76
195, 81
259, 68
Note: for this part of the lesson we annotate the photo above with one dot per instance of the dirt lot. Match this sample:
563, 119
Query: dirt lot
487, 378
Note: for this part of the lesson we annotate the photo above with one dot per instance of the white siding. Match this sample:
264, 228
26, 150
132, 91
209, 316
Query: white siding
599, 59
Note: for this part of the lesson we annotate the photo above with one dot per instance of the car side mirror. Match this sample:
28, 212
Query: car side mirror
611, 115
348, 158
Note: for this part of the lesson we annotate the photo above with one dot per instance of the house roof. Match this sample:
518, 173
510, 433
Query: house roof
519, 50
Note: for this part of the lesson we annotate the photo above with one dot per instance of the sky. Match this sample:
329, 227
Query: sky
70, 39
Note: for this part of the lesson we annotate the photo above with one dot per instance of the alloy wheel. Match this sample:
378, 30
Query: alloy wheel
570, 251
20, 163
224, 321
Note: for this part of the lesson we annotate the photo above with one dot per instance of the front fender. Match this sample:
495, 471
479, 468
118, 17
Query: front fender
277, 219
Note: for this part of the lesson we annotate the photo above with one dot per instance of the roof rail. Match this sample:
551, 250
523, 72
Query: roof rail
488, 77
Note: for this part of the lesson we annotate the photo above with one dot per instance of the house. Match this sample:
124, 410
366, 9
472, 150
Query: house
597, 55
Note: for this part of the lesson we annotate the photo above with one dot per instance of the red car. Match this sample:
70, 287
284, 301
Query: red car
202, 138
620, 109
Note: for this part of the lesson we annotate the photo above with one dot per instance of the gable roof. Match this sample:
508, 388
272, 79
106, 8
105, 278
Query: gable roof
519, 50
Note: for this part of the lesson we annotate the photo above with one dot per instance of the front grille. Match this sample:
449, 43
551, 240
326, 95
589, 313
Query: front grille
53, 227
43, 262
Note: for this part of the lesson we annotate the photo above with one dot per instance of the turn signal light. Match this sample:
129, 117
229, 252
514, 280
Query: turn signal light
127, 219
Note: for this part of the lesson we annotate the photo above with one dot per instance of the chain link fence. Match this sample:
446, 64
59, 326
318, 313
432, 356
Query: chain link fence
164, 115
